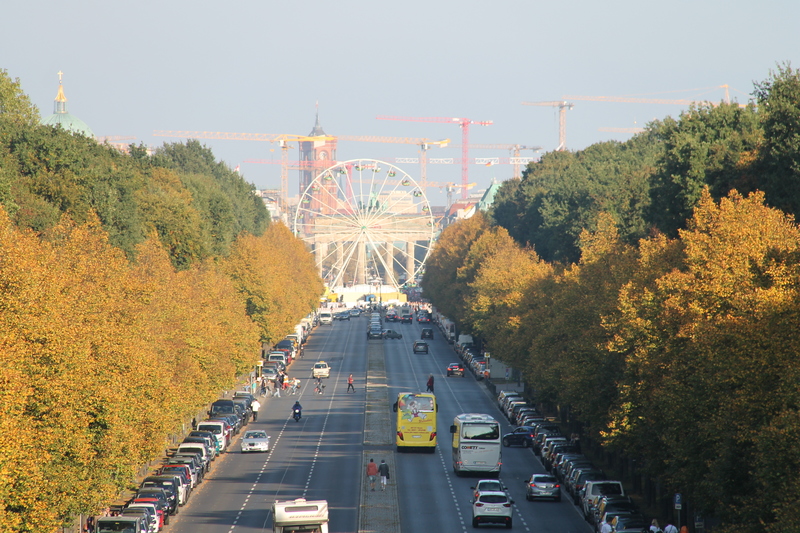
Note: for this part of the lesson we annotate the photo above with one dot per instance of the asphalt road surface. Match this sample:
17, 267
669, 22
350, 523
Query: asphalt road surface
320, 456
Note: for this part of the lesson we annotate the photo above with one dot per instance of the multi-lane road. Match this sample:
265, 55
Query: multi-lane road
321, 456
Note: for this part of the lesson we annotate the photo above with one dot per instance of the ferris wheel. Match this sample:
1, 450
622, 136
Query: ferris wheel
368, 222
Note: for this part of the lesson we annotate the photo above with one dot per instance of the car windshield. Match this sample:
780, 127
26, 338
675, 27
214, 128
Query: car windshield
490, 485
255, 435
544, 479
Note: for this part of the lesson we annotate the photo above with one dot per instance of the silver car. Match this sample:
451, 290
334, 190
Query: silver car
255, 441
542, 486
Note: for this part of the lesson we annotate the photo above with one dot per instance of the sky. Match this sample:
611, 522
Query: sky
263, 66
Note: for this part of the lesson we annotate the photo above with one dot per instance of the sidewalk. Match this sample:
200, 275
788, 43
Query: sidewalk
379, 510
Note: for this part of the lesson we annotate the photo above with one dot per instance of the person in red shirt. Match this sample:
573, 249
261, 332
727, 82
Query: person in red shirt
350, 384
372, 474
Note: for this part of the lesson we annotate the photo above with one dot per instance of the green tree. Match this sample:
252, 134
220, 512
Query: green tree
708, 146
15, 106
778, 164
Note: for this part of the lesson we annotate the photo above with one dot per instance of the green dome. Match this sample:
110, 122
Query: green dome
69, 123
63, 119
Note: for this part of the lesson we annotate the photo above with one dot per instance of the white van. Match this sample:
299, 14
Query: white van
326, 318
277, 357
217, 428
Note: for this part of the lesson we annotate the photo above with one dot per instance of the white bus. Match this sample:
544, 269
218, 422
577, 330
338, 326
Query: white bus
476, 444
294, 516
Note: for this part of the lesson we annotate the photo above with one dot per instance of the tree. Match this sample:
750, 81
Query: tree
15, 106
778, 163
708, 146
440, 280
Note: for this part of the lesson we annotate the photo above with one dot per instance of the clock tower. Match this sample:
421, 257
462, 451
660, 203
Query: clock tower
316, 156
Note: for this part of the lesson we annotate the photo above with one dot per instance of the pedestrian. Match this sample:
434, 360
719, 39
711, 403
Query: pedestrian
372, 474
684, 529
264, 386
605, 527
383, 470
194, 422
278, 384
350, 384
430, 383
89, 524
670, 528
295, 385
255, 406
654, 527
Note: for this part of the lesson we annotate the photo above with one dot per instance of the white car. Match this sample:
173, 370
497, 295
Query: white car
492, 507
321, 370
255, 441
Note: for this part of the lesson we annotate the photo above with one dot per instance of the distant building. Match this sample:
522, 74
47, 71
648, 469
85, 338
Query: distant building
62, 118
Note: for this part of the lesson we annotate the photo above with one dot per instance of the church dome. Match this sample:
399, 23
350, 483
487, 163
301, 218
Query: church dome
62, 118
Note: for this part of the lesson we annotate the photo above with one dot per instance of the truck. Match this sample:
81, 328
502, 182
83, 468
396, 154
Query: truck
308, 516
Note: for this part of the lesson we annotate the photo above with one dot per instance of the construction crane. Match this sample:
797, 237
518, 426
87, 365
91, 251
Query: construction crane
622, 130
639, 100
464, 123
563, 106
283, 140
451, 187
514, 150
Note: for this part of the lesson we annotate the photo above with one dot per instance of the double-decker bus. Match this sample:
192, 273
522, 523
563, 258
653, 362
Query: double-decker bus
476, 444
416, 421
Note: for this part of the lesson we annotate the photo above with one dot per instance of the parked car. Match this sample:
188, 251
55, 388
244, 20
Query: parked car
420, 347
255, 441
392, 334
455, 369
521, 436
542, 486
492, 508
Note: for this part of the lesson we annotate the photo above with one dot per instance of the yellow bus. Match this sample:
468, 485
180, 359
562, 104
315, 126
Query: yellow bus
416, 421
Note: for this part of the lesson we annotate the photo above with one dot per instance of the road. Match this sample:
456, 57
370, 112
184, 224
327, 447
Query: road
320, 457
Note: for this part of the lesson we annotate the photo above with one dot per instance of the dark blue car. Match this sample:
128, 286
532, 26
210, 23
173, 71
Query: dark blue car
522, 436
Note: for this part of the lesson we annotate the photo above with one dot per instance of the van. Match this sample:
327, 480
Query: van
133, 524
326, 318
215, 427
197, 448
276, 357
594, 490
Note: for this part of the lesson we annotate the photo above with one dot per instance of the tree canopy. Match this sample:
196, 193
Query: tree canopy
133, 290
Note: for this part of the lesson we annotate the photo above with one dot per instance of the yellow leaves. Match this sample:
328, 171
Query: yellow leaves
103, 358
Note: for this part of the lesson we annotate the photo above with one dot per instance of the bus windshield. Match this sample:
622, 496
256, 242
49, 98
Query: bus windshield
480, 432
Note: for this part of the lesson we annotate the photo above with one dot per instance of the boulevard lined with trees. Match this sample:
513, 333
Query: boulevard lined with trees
651, 288
133, 289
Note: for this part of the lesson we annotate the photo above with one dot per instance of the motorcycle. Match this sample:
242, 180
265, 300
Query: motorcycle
297, 415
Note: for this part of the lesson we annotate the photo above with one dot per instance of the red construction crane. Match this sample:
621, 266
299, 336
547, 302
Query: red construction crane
464, 123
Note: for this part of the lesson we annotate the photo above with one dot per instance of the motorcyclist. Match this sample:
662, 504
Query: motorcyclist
297, 409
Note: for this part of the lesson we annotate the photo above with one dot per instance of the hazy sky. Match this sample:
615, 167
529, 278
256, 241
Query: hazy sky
259, 67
